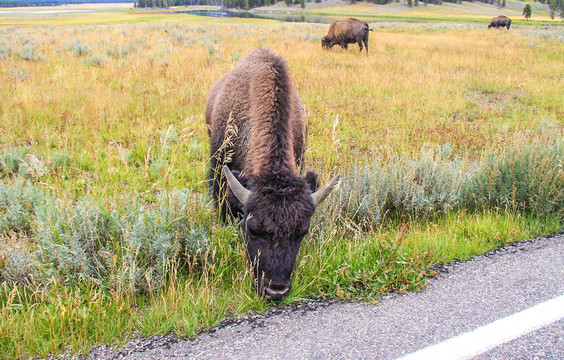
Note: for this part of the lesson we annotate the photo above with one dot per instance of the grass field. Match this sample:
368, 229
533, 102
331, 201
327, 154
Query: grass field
448, 137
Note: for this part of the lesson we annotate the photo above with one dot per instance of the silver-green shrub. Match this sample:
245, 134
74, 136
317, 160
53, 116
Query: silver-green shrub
10, 159
96, 60
29, 52
18, 201
528, 175
18, 261
80, 49
130, 248
5, 51
21, 161
429, 184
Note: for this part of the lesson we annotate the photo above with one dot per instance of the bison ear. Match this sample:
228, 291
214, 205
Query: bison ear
312, 181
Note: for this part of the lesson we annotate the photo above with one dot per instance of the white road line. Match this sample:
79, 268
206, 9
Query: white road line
496, 333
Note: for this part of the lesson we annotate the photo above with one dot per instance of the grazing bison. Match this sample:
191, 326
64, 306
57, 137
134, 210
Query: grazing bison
500, 21
256, 123
347, 31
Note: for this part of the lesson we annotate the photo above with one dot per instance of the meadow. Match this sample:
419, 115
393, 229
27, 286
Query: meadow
448, 138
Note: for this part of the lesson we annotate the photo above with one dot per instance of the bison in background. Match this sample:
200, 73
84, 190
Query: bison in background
500, 21
257, 126
347, 31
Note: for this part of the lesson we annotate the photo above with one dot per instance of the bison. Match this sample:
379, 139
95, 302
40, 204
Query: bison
347, 31
257, 126
500, 21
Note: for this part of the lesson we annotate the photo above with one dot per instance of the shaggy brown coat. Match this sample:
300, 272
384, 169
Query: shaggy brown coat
258, 99
347, 31
257, 126
500, 21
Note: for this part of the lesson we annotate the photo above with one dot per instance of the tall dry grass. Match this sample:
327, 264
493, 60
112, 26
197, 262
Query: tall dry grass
105, 94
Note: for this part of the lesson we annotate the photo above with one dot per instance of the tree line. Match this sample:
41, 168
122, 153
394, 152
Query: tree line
15, 3
555, 6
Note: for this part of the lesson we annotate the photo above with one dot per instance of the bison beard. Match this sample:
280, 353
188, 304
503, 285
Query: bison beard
257, 99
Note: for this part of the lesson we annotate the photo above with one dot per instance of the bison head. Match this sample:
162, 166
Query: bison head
277, 211
326, 43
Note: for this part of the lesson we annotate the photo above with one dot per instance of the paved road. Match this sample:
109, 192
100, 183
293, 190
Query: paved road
463, 297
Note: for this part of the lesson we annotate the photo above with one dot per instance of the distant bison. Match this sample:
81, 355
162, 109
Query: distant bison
347, 31
500, 21
257, 125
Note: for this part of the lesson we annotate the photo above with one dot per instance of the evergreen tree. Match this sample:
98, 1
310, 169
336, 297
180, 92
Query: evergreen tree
527, 11
552, 6
503, 4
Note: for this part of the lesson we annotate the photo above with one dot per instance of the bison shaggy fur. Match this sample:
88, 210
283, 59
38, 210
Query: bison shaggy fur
347, 31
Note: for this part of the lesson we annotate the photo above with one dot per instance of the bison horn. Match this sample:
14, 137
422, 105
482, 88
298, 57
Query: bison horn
238, 190
322, 193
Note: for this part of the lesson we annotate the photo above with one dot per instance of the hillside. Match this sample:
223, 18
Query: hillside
465, 9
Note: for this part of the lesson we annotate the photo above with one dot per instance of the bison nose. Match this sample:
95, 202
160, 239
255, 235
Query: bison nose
276, 292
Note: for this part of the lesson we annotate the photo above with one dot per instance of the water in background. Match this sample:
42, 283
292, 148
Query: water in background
263, 15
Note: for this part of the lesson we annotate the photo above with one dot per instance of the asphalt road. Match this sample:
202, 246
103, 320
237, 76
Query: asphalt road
463, 297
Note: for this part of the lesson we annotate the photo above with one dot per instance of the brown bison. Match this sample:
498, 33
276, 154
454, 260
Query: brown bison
257, 125
347, 31
500, 21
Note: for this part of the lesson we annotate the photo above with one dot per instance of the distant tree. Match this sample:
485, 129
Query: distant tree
527, 11
562, 9
552, 6
416, 3
503, 4
302, 2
